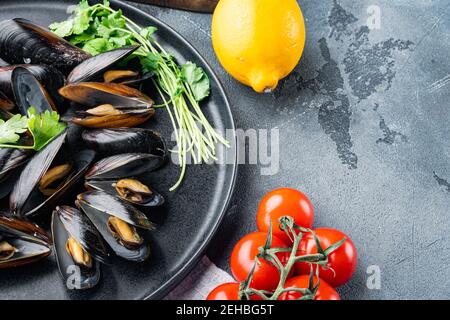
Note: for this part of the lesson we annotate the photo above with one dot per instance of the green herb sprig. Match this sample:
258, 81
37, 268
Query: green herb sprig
42, 127
99, 28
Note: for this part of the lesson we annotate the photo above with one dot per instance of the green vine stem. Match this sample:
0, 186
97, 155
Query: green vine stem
296, 233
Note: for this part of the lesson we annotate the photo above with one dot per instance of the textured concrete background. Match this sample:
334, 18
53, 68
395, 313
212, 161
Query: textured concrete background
364, 132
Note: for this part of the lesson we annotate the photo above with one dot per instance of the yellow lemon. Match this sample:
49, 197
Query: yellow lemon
258, 42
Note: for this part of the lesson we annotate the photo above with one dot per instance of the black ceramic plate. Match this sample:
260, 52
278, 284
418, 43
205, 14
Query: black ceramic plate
186, 223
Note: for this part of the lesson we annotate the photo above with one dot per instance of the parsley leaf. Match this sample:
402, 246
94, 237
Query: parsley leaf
62, 29
11, 129
44, 127
147, 32
197, 80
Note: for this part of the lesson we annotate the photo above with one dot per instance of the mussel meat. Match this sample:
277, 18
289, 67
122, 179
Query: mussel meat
29, 92
50, 78
125, 140
111, 105
79, 248
92, 68
48, 175
128, 189
123, 166
22, 41
120, 224
21, 242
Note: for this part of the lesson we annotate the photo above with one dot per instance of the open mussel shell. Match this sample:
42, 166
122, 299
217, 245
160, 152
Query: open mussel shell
50, 78
94, 67
5, 102
78, 247
102, 209
130, 190
10, 161
113, 118
27, 198
29, 92
123, 166
125, 140
21, 243
22, 41
93, 94
23, 225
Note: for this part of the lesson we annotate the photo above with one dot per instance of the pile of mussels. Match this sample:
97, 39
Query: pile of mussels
48, 73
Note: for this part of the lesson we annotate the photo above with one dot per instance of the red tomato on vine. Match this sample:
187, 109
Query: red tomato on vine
266, 275
325, 291
284, 202
342, 261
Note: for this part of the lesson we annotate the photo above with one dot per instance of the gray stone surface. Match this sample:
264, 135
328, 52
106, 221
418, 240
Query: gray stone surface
364, 132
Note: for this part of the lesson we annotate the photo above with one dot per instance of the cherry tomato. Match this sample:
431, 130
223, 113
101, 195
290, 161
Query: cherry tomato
325, 291
284, 202
226, 291
343, 261
266, 276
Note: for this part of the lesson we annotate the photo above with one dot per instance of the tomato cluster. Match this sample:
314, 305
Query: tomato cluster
341, 263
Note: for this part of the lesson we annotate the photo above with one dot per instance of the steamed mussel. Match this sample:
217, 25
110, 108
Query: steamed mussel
115, 175
21, 242
78, 247
99, 65
50, 78
121, 225
48, 175
29, 92
111, 105
22, 41
125, 140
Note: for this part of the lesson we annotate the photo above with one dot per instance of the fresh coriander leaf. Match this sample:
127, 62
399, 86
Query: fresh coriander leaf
119, 41
106, 3
104, 31
81, 38
83, 5
96, 46
62, 29
197, 80
150, 62
81, 21
44, 127
11, 129
147, 32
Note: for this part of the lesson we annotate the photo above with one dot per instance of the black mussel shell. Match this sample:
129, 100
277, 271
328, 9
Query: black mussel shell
125, 140
129, 118
123, 166
81, 229
93, 94
100, 206
91, 68
5, 102
28, 92
28, 248
25, 198
11, 160
22, 41
50, 78
23, 225
75, 276
114, 206
108, 186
